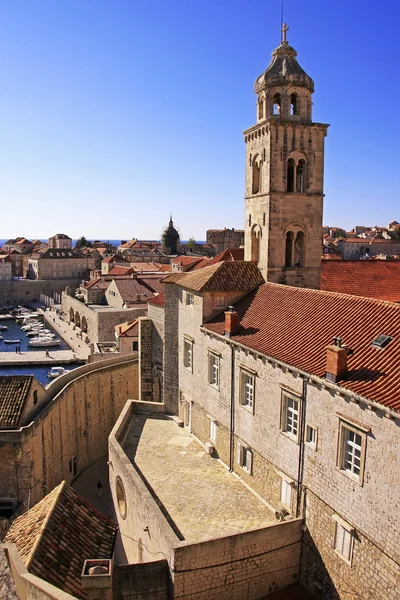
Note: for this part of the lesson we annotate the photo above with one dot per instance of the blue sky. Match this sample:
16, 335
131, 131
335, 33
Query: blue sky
116, 113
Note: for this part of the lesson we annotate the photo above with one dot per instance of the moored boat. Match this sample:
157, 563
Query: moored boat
56, 372
3, 327
12, 341
43, 342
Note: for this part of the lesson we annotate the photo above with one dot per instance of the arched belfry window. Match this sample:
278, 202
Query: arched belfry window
256, 182
291, 167
255, 244
289, 249
294, 104
300, 176
277, 104
299, 250
261, 108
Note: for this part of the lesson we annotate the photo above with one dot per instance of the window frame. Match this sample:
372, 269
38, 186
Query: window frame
189, 299
345, 528
211, 357
346, 427
289, 396
244, 457
213, 430
188, 354
286, 488
243, 374
311, 443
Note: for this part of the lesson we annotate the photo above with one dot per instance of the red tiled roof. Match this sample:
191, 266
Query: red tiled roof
295, 325
158, 300
99, 284
14, 391
120, 271
58, 534
186, 260
372, 279
203, 263
128, 329
165, 268
137, 290
226, 276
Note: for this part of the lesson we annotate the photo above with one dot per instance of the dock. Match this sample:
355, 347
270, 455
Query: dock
36, 358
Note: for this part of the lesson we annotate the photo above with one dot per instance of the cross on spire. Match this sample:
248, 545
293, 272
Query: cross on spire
284, 29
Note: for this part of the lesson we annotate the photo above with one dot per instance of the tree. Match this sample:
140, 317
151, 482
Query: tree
83, 243
339, 233
191, 244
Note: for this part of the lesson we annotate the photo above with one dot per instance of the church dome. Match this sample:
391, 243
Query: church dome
170, 239
171, 233
284, 70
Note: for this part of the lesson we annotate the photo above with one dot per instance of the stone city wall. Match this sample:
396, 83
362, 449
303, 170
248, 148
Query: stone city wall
69, 433
25, 290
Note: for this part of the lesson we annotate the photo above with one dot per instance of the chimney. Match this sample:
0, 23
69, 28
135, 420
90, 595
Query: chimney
336, 360
231, 322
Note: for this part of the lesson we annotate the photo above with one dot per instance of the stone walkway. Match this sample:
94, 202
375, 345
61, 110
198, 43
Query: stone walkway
38, 357
69, 335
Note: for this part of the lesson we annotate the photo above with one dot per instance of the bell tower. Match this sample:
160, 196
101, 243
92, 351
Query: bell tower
285, 174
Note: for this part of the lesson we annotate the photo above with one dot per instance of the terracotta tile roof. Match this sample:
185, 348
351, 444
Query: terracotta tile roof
56, 536
292, 592
165, 268
373, 279
130, 289
14, 391
228, 254
145, 266
128, 329
186, 260
295, 325
96, 284
158, 300
120, 271
224, 276
205, 262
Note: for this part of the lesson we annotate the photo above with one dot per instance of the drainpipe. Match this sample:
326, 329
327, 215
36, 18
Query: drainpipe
302, 431
232, 408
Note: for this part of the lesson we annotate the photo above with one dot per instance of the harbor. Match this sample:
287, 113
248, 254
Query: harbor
18, 357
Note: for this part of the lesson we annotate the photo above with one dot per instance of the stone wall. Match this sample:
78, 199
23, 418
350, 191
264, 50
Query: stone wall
171, 354
141, 581
25, 290
100, 322
69, 433
157, 315
145, 362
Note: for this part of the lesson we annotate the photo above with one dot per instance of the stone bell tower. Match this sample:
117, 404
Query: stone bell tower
284, 175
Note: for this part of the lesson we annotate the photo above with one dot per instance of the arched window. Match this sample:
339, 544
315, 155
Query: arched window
300, 176
277, 104
293, 104
261, 108
290, 175
255, 245
289, 249
256, 184
299, 250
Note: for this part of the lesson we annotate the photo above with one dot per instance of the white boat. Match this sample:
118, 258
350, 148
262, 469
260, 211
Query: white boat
5, 317
1, 337
43, 342
12, 341
40, 333
56, 372
3, 327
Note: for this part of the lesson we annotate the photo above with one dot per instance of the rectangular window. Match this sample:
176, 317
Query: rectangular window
188, 354
213, 369
245, 457
351, 455
189, 299
286, 493
213, 430
290, 414
311, 436
344, 539
247, 389
135, 346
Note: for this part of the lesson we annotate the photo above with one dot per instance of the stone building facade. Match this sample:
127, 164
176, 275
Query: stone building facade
222, 239
284, 175
60, 264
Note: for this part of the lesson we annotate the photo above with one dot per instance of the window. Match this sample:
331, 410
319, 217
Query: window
289, 249
344, 539
213, 430
290, 415
311, 436
220, 301
286, 493
189, 299
276, 109
291, 167
213, 369
300, 176
256, 184
35, 396
293, 104
135, 346
245, 457
352, 443
188, 354
247, 385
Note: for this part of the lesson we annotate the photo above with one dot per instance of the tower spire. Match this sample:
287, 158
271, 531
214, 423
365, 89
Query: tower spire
284, 29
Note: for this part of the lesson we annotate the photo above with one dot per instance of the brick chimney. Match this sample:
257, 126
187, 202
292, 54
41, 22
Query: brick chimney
336, 360
231, 322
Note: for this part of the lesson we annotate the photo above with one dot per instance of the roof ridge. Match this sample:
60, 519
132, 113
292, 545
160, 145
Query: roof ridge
43, 527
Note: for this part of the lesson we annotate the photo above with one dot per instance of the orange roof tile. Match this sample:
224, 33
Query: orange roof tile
373, 279
127, 329
58, 534
295, 325
224, 276
120, 271
158, 300
14, 390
